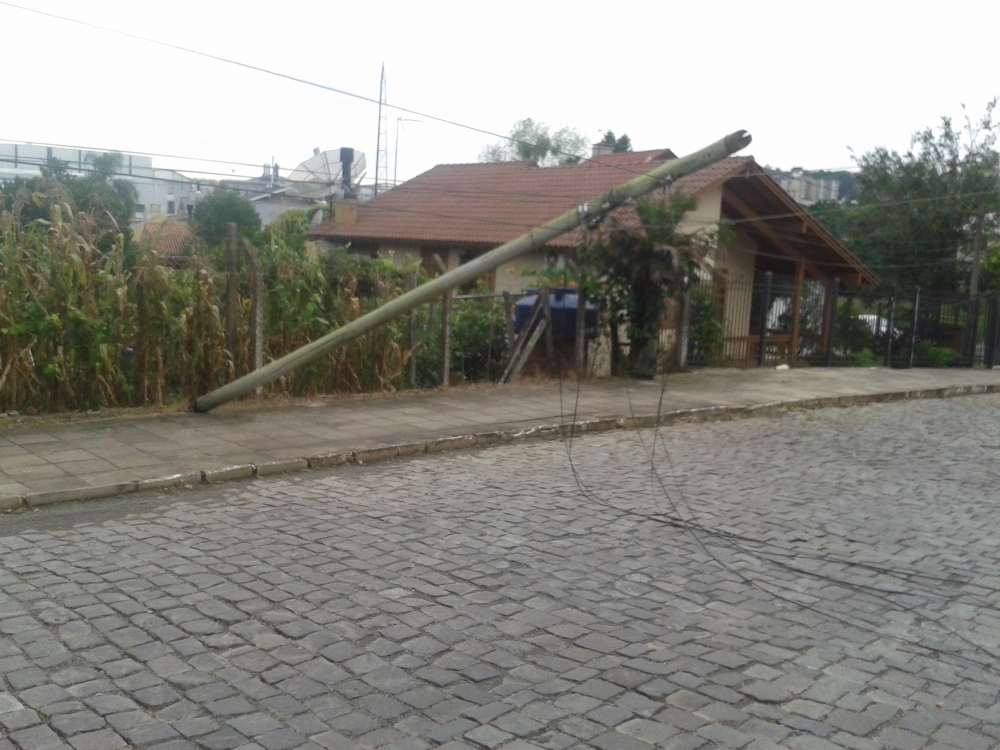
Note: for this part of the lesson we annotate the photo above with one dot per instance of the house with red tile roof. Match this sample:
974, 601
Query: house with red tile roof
168, 236
462, 210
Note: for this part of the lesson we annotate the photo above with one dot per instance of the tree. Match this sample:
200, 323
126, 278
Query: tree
106, 165
534, 141
638, 268
914, 218
618, 145
219, 209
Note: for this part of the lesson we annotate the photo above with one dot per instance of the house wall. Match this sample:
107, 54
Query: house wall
738, 264
273, 206
510, 276
400, 254
706, 215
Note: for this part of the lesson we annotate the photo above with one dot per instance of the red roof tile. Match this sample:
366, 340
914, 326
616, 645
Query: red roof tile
167, 236
489, 204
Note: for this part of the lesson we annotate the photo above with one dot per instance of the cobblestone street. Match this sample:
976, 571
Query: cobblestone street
816, 580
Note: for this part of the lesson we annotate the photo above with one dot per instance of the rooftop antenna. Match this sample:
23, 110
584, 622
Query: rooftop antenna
382, 146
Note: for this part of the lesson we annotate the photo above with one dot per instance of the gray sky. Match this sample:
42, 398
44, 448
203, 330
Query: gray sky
807, 79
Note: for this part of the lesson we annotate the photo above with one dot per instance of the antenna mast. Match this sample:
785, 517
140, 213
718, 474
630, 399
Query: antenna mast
382, 146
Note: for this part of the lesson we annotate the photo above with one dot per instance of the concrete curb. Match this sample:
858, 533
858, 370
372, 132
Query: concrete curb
483, 440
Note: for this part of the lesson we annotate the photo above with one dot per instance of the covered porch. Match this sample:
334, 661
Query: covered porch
775, 279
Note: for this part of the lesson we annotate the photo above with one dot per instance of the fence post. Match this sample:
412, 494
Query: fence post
992, 330
832, 320
916, 322
973, 328
550, 350
890, 328
800, 275
581, 328
765, 308
508, 317
232, 290
411, 283
446, 305
684, 330
256, 310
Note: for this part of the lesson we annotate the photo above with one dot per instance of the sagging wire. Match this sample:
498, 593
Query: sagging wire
694, 528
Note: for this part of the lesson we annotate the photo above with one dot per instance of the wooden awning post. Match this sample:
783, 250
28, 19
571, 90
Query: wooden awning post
831, 321
800, 275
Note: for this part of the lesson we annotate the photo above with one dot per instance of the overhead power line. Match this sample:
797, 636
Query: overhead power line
303, 81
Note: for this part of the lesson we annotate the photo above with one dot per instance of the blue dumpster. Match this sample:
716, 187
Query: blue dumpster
562, 303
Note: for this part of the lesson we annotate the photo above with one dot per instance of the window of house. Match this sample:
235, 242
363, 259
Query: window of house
170, 208
555, 261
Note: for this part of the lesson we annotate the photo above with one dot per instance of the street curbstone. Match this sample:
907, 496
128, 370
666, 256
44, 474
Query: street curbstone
328, 460
11, 502
451, 443
241, 471
174, 480
371, 455
38, 499
270, 468
484, 439
412, 449
592, 425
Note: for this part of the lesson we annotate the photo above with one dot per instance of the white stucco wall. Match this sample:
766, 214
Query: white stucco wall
738, 264
510, 276
706, 215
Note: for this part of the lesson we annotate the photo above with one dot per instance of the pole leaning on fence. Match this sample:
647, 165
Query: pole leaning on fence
533, 240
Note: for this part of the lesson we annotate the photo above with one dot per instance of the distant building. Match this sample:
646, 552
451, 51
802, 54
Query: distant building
325, 176
161, 192
807, 189
810, 187
168, 236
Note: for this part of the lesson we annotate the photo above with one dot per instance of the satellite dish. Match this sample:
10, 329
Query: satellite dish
326, 168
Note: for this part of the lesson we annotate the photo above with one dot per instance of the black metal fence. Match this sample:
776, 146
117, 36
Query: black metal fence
771, 320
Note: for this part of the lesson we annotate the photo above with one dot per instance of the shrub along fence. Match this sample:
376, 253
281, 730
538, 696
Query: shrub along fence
762, 322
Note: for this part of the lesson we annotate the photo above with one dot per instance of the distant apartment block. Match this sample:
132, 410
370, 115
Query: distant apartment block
805, 188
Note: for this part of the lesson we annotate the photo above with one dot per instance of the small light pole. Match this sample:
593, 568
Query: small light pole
395, 154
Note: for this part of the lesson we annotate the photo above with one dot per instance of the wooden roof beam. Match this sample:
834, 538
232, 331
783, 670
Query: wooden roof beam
793, 253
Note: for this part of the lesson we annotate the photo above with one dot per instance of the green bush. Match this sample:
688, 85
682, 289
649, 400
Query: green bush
706, 336
867, 358
936, 356
478, 342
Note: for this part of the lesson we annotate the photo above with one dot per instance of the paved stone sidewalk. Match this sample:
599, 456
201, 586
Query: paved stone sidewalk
838, 589
108, 452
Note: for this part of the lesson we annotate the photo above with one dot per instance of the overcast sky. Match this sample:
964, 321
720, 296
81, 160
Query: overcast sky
809, 80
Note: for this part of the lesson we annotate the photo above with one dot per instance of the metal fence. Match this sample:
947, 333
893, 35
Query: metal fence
771, 320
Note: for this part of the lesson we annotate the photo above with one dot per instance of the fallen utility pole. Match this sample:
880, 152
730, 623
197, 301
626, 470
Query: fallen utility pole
533, 240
